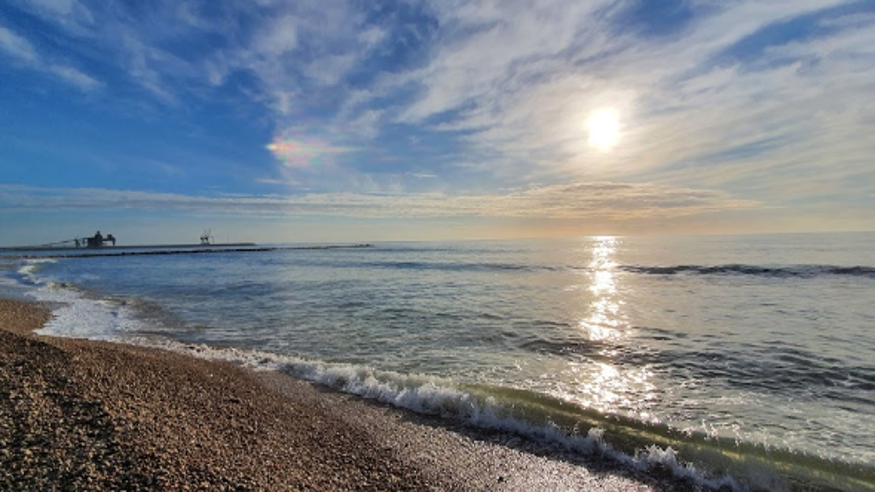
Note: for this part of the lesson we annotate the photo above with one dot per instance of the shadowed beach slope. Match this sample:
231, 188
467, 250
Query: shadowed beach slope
86, 415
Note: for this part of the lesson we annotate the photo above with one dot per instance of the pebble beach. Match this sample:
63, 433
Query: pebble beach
87, 415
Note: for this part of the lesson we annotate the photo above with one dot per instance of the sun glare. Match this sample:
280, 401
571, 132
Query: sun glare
603, 126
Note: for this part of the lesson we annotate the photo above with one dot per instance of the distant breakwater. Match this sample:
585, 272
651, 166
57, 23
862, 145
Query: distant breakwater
200, 250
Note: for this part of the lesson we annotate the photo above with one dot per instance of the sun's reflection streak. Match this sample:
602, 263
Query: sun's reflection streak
602, 384
605, 319
608, 388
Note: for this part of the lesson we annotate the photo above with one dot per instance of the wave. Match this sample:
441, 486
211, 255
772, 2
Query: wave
444, 266
804, 271
706, 462
27, 272
489, 408
783, 271
789, 271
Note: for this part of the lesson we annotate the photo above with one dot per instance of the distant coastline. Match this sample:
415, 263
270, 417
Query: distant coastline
169, 249
137, 246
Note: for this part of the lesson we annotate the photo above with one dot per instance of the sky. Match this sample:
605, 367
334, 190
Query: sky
333, 120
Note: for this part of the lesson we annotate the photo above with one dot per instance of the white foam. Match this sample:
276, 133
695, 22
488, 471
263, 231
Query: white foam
667, 457
28, 270
77, 316
436, 396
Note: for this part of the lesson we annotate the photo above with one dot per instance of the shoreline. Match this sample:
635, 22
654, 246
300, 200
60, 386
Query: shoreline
97, 415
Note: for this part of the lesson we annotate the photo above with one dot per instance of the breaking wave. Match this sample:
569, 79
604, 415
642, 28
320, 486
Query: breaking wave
790, 271
707, 462
780, 271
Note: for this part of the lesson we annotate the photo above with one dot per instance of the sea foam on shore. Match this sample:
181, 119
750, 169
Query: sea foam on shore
159, 419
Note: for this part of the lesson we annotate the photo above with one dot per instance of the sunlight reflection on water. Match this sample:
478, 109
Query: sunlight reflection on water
604, 320
601, 384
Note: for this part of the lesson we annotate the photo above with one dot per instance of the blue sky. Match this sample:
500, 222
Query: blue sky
335, 120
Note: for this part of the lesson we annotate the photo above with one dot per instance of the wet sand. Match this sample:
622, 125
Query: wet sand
87, 415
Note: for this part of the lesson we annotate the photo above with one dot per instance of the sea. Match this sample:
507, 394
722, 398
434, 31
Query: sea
735, 362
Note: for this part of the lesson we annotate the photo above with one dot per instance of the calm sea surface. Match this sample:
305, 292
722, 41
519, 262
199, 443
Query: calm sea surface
748, 357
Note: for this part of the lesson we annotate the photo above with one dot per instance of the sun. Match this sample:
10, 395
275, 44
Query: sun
603, 126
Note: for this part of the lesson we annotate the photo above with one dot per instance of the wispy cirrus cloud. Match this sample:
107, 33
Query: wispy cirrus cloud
17, 46
704, 97
72, 15
294, 56
303, 151
24, 52
605, 200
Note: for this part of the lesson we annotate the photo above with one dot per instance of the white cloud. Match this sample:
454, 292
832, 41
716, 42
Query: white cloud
279, 38
149, 66
615, 201
301, 151
72, 15
17, 46
366, 124
371, 37
491, 47
329, 70
75, 77
22, 50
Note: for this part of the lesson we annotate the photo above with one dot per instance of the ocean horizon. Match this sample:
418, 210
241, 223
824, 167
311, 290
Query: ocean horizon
741, 362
